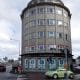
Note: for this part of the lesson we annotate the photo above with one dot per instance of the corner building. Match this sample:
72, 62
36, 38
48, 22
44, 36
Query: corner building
45, 34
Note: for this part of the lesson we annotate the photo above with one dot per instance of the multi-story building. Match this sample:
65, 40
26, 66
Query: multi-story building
45, 34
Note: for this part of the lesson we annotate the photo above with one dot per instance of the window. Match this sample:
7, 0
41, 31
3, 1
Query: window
60, 23
50, 10
51, 34
32, 63
41, 63
61, 47
33, 23
26, 63
52, 47
59, 35
32, 35
27, 14
65, 15
66, 37
61, 63
41, 22
40, 34
50, 21
59, 12
65, 24
32, 48
41, 10
32, 12
41, 47
26, 49
52, 64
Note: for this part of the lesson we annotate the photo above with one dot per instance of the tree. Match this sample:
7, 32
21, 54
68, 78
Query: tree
11, 61
5, 58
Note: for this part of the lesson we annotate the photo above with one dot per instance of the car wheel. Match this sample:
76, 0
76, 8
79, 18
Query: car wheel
71, 76
55, 76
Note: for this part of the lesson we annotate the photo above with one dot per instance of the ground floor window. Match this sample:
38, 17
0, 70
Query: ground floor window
52, 64
41, 63
61, 62
32, 63
26, 63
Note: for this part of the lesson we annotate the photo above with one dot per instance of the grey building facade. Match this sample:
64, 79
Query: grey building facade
45, 34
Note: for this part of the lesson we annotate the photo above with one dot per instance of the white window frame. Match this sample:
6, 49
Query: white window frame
48, 10
58, 11
58, 35
60, 23
51, 22
52, 65
65, 14
27, 14
65, 24
26, 49
41, 66
52, 46
32, 35
33, 23
32, 65
41, 34
41, 22
51, 35
39, 11
31, 48
33, 10
61, 65
39, 47
26, 63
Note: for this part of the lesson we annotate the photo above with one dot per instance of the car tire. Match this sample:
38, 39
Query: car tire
55, 76
71, 76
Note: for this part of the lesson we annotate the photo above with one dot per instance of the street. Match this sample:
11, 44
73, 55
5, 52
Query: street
7, 76
77, 77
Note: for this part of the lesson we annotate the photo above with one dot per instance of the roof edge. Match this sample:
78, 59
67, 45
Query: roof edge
45, 3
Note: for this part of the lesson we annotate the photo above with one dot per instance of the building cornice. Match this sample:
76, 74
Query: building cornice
46, 55
44, 4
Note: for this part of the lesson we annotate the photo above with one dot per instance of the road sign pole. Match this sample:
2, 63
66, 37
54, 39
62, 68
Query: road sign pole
66, 61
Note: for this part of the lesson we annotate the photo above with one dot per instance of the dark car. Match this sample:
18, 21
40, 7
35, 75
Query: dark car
2, 68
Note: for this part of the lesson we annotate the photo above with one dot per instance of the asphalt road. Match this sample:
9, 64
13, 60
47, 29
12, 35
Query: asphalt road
7, 76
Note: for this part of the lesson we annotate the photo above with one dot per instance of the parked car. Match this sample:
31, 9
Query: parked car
76, 70
59, 73
2, 68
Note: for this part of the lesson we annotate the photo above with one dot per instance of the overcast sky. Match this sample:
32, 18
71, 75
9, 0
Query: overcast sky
10, 26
